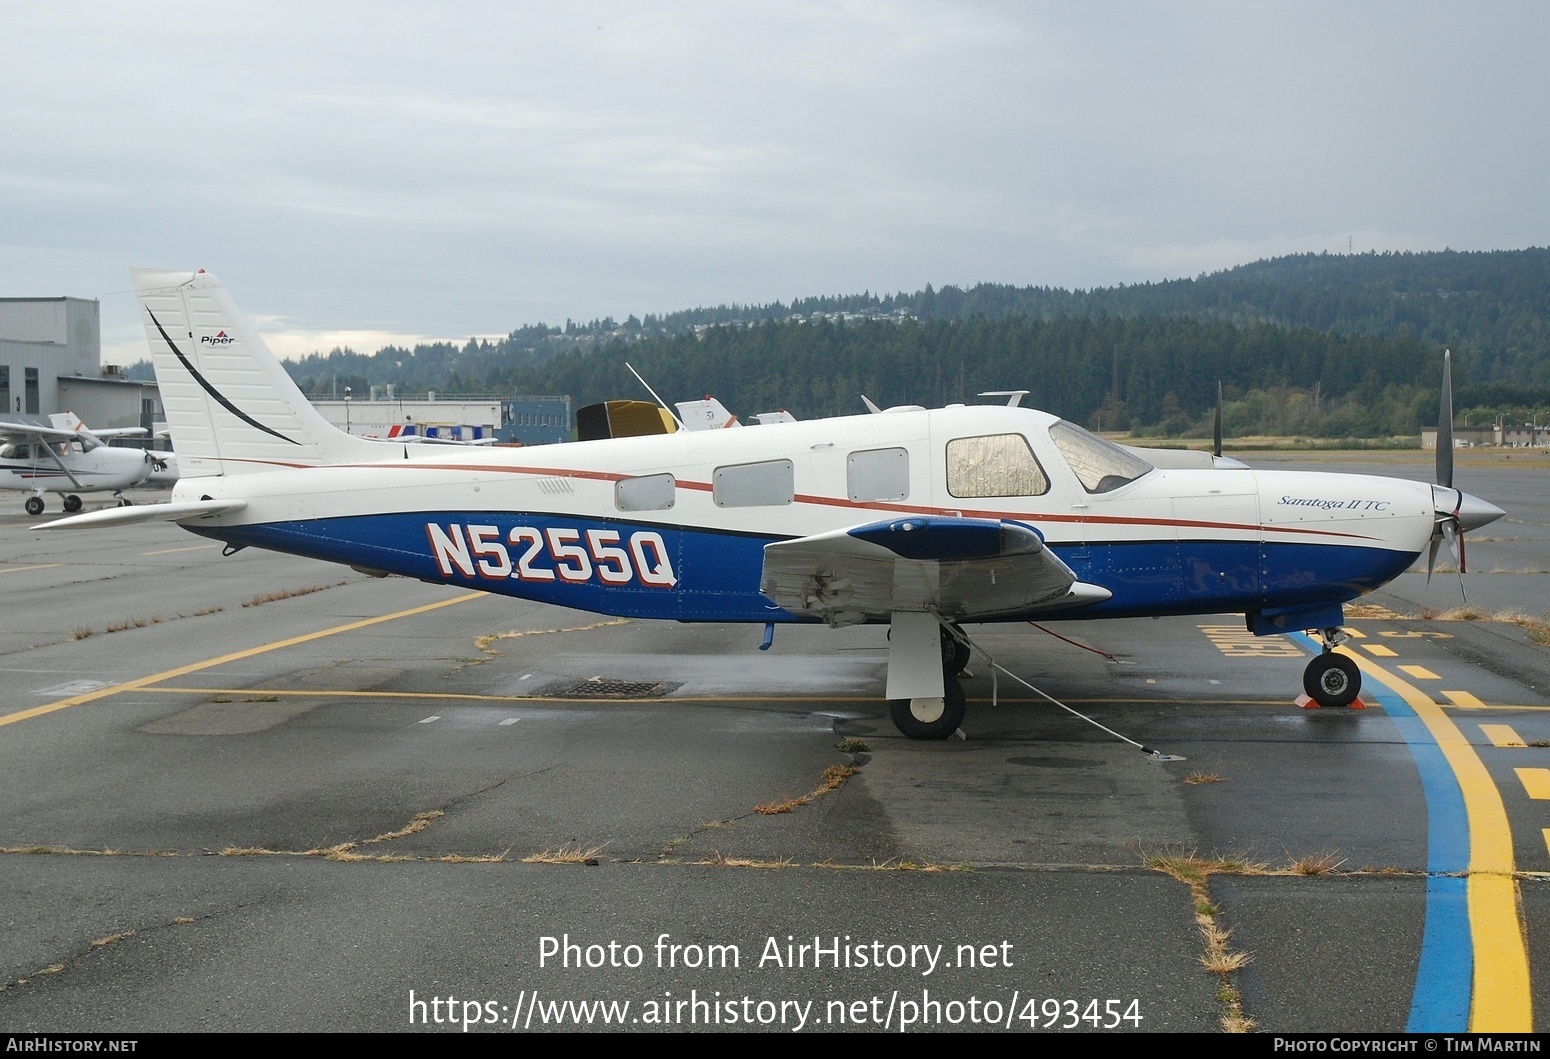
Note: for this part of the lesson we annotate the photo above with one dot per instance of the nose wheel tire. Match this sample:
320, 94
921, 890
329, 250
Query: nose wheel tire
931, 718
34, 505
1332, 680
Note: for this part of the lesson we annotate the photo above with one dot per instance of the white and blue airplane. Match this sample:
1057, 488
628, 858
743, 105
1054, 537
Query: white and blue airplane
923, 519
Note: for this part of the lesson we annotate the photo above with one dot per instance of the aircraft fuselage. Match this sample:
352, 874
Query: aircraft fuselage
560, 523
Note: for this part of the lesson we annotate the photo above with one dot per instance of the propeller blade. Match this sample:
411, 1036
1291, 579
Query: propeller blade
1445, 424
1450, 533
1216, 434
1431, 555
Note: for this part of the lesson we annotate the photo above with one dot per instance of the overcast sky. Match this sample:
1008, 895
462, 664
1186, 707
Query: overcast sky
374, 172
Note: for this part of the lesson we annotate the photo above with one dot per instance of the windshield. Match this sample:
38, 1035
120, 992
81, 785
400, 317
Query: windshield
1101, 466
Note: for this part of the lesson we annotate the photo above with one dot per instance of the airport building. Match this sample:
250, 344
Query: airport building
1509, 435
518, 420
51, 361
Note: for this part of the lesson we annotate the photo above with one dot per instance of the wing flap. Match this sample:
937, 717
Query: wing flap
963, 569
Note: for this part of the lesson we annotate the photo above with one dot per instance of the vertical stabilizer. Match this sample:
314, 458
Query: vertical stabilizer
230, 405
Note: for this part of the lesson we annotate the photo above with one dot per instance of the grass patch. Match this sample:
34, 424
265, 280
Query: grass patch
721, 860
567, 854
420, 822
1197, 779
833, 779
1316, 864
1537, 629
82, 632
1371, 612
1216, 957
926, 867
289, 593
852, 745
487, 642
111, 938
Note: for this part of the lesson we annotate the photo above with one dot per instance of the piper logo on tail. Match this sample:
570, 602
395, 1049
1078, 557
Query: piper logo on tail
221, 339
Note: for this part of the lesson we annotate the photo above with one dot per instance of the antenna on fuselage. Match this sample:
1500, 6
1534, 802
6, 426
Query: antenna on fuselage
653, 393
1216, 431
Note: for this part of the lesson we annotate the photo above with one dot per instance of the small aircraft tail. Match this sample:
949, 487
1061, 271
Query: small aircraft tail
231, 407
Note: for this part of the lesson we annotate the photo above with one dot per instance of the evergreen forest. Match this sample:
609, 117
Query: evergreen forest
1312, 344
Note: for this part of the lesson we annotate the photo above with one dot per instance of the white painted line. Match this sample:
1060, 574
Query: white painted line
74, 687
432, 717
510, 720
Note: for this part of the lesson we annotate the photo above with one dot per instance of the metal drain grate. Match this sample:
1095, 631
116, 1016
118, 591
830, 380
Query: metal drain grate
611, 688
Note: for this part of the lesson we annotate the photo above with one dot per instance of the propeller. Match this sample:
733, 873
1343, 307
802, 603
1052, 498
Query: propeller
1456, 510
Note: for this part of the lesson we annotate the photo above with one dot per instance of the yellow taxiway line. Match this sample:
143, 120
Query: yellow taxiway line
235, 656
1502, 1002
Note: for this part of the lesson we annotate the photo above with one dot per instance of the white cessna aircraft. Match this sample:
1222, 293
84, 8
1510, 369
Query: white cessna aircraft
922, 519
67, 458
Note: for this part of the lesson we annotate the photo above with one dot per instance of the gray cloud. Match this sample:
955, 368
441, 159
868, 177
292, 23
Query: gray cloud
417, 170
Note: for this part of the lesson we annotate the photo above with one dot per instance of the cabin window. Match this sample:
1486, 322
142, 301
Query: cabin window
994, 465
1100, 465
755, 484
15, 452
651, 492
879, 474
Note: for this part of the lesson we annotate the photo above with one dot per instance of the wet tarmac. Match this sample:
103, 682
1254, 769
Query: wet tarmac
260, 792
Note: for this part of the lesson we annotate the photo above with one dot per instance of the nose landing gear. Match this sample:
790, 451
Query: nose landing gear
1332, 680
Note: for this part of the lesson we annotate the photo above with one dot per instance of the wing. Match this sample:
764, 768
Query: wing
964, 569
27, 431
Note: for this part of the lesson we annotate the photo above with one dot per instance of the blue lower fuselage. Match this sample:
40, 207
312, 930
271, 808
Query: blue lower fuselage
652, 570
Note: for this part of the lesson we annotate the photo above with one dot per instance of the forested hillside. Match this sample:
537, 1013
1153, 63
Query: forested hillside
1343, 345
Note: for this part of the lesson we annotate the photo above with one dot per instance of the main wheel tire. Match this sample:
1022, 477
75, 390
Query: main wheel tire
34, 505
1332, 680
955, 654
72, 503
931, 718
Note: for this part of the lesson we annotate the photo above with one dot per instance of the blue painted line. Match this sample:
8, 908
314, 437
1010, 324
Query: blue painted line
1445, 975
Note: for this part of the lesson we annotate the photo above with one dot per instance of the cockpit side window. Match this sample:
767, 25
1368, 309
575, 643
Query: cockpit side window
994, 465
15, 452
1101, 466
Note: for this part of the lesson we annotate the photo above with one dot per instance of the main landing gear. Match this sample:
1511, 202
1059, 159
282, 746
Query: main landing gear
72, 503
925, 700
34, 505
1331, 679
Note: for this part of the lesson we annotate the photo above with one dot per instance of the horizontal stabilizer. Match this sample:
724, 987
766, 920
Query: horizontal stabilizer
124, 516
